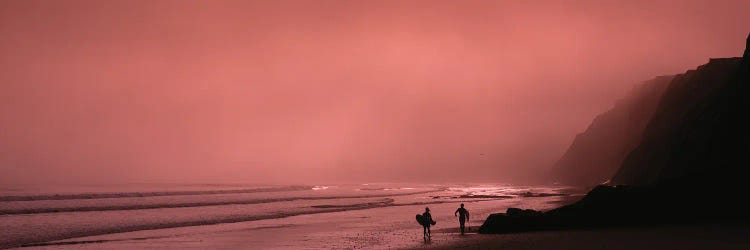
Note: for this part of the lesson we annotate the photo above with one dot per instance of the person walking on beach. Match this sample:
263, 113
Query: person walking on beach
463, 216
427, 219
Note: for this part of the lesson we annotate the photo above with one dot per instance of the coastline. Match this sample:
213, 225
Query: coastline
377, 228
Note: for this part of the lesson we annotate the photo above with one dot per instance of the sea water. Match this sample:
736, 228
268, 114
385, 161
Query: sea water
64, 216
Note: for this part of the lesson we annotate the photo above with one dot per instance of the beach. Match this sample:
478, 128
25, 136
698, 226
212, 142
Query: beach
373, 216
381, 217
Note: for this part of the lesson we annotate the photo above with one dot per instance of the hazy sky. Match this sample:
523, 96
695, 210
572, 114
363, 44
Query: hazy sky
314, 91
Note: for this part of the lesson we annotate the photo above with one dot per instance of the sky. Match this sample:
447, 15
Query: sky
328, 91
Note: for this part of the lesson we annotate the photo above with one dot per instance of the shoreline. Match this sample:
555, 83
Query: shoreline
377, 228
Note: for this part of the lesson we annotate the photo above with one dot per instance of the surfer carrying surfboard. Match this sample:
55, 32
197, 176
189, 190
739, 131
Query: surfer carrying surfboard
425, 219
464, 216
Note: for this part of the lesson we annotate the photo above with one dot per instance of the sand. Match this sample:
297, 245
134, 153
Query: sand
661, 237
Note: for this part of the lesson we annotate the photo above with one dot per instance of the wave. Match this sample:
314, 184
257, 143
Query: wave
485, 196
47, 240
57, 239
321, 187
50, 239
189, 204
124, 229
146, 194
385, 202
384, 189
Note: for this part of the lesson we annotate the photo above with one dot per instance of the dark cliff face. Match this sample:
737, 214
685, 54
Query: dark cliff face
690, 166
596, 154
699, 133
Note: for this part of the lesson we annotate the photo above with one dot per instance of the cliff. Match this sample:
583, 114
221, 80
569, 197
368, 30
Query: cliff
699, 130
690, 165
597, 153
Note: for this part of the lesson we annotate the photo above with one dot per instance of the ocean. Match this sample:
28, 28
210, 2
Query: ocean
232, 216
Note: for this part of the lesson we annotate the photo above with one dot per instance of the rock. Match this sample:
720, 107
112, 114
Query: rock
513, 220
522, 212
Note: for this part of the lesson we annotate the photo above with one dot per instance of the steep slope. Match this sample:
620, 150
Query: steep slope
691, 165
596, 154
699, 133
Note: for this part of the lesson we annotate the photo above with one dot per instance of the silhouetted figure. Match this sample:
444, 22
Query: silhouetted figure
427, 218
463, 216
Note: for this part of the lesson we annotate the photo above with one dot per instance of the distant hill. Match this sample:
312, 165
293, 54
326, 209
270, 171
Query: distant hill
596, 154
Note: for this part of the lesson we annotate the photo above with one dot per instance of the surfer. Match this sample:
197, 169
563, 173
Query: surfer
463, 216
427, 219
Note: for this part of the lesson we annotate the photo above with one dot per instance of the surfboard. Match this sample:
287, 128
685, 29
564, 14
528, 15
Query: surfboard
422, 221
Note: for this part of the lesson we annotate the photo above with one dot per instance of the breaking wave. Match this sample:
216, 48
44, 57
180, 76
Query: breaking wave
40, 197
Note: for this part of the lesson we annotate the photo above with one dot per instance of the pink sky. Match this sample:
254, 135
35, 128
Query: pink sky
306, 91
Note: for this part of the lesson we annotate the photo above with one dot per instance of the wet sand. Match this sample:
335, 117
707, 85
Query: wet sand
662, 237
